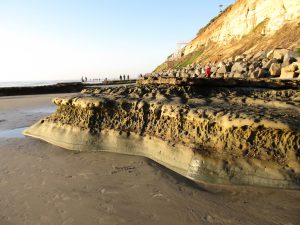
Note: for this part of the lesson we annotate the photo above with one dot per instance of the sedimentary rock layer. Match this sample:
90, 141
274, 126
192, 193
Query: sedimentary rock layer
219, 135
244, 17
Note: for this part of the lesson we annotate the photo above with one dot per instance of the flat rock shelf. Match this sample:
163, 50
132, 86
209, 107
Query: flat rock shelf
236, 135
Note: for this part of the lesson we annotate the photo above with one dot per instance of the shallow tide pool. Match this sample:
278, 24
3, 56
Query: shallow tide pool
12, 133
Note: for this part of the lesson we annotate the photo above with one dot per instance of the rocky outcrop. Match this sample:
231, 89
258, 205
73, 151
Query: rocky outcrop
219, 135
289, 71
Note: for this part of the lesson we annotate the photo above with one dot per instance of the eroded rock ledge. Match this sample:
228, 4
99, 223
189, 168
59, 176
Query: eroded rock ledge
219, 135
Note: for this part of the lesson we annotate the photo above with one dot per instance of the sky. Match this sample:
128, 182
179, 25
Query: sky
67, 39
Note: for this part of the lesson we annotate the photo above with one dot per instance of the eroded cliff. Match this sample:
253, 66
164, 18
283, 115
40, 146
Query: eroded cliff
245, 27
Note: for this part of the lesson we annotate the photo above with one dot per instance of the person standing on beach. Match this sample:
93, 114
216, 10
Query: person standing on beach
120, 77
128, 77
124, 77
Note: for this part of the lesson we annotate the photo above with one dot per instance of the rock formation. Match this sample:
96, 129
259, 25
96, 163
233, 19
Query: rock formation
219, 135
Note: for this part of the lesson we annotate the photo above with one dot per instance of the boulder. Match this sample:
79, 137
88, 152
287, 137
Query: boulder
220, 75
237, 75
254, 74
262, 73
197, 72
223, 69
255, 65
238, 67
279, 53
259, 73
213, 75
287, 60
220, 64
229, 75
184, 74
289, 71
275, 69
284, 54
238, 58
268, 64
214, 69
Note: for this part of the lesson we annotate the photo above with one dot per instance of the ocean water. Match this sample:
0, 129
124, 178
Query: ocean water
34, 83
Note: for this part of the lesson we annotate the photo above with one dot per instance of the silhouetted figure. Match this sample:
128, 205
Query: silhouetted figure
127, 77
82, 80
124, 77
120, 77
85, 79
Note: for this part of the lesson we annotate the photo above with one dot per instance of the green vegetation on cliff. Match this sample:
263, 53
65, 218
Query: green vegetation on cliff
188, 59
181, 62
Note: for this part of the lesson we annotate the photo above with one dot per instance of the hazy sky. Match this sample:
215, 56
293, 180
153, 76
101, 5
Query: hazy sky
65, 39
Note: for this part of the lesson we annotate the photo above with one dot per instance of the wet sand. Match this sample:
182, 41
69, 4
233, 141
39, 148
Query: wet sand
44, 184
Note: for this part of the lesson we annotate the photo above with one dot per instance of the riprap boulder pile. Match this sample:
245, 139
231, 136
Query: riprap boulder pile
277, 63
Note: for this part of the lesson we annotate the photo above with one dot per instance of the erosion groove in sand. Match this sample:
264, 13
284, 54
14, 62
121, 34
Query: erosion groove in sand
224, 135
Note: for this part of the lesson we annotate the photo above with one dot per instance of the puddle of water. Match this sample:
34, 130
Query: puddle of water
12, 133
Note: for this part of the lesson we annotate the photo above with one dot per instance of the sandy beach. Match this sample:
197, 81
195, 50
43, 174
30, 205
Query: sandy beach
44, 184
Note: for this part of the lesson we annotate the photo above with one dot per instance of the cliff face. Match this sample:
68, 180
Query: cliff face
247, 26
